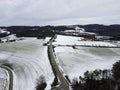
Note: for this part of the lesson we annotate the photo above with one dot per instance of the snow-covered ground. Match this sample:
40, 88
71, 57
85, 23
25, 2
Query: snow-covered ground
74, 62
47, 39
29, 60
70, 40
66, 40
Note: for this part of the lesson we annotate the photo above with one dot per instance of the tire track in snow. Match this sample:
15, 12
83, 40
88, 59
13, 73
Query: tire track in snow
28, 64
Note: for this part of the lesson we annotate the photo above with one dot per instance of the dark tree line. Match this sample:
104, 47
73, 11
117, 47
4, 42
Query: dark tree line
33, 31
99, 79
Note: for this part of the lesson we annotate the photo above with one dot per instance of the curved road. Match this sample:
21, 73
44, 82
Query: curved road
10, 76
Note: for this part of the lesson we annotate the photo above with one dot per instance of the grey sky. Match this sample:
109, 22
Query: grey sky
59, 12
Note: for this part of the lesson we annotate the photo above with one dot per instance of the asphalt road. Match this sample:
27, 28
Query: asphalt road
10, 76
64, 84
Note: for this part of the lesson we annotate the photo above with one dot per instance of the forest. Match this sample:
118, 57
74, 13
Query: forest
99, 79
42, 31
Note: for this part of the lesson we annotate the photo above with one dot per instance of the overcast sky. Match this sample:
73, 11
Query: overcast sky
59, 12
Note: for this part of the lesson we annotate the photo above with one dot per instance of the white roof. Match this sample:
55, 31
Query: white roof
3, 31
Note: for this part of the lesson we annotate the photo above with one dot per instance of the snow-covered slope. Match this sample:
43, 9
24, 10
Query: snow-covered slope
74, 62
70, 40
29, 60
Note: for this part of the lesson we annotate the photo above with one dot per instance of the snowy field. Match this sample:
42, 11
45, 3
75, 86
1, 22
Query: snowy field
70, 40
74, 62
29, 60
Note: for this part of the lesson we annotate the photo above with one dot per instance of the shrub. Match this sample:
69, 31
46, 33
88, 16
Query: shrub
41, 83
55, 82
